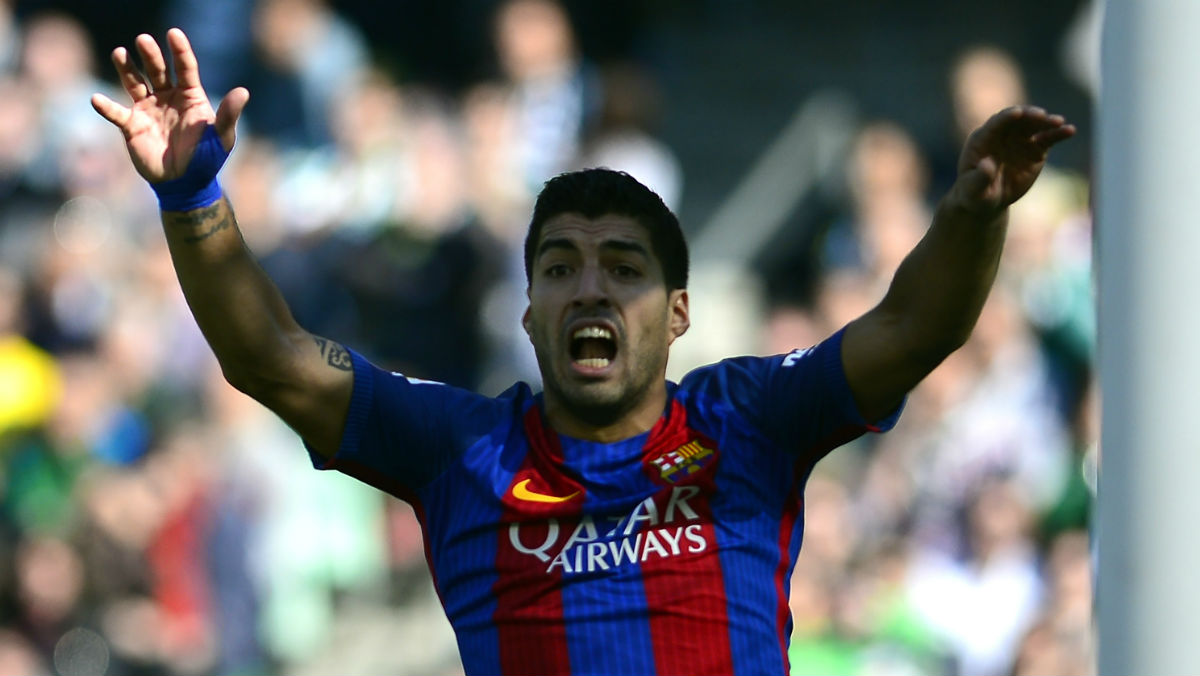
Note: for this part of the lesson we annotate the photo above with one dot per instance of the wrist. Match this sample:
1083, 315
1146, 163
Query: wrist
183, 195
960, 207
198, 186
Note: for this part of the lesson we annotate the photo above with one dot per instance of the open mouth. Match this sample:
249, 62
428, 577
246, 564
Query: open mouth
593, 347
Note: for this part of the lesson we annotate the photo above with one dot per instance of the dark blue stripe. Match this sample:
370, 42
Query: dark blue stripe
608, 627
607, 617
751, 484
465, 540
749, 557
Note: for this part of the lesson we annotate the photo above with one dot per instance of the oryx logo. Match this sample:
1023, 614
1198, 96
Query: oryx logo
683, 461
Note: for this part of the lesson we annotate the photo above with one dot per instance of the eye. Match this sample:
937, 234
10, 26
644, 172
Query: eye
626, 271
557, 270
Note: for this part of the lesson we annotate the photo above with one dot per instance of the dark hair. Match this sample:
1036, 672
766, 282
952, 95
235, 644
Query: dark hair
596, 192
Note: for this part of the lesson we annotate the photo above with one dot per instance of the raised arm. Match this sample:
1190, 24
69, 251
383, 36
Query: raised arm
178, 143
939, 290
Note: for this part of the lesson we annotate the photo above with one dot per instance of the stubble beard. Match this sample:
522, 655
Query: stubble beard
598, 409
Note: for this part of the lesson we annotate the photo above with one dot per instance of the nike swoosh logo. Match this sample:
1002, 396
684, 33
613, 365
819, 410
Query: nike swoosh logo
521, 492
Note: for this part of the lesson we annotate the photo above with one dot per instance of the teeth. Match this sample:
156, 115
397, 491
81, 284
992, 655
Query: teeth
593, 332
593, 363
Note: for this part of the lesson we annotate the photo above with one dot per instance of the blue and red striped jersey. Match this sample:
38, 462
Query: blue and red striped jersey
669, 552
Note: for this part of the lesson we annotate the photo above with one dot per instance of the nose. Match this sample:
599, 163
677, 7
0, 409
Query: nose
591, 289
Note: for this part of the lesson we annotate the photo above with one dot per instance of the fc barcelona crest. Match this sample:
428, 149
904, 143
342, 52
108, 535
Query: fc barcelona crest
683, 461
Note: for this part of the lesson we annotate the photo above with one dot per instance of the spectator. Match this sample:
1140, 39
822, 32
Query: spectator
429, 265
623, 135
311, 53
554, 92
985, 602
888, 213
56, 61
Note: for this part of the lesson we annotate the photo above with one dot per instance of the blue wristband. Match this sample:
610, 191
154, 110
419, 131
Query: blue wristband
198, 186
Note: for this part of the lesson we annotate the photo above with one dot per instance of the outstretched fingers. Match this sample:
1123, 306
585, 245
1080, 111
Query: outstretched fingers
154, 62
1054, 135
1024, 129
131, 79
186, 69
111, 110
1016, 122
1034, 121
228, 113
1008, 117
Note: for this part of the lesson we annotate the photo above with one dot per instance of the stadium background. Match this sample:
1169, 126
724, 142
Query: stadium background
154, 521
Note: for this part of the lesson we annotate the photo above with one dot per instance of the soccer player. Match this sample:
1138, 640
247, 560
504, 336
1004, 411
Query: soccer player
616, 522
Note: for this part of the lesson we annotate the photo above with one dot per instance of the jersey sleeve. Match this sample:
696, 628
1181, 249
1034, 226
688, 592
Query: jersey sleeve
401, 433
801, 400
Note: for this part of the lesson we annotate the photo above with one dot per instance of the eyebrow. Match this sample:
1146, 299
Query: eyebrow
555, 243
625, 245
615, 244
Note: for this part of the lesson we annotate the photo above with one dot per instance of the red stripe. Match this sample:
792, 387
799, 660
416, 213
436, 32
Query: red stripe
791, 512
529, 610
689, 625
685, 591
529, 607
669, 433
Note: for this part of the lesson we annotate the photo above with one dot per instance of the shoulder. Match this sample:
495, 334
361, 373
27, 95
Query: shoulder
764, 388
433, 400
734, 370
735, 386
733, 375
402, 432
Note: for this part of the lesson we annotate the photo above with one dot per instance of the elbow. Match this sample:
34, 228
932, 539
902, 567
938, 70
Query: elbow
955, 338
257, 380
243, 380
930, 348
262, 374
265, 390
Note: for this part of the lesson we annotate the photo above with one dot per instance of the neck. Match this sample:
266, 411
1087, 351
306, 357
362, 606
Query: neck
630, 423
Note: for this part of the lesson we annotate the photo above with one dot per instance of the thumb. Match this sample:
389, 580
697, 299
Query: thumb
228, 113
974, 182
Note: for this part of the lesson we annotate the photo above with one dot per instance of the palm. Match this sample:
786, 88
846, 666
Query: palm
163, 130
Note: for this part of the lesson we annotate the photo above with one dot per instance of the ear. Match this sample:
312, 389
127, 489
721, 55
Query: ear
680, 320
525, 320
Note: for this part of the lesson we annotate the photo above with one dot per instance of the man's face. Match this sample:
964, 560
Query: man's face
600, 316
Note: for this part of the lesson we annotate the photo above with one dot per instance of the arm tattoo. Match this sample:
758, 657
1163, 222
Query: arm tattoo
204, 223
335, 355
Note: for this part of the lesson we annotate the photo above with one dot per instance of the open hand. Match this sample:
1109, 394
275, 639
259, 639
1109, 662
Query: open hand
167, 119
1001, 159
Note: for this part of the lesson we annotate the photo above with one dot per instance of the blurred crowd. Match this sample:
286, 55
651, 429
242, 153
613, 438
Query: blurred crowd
958, 542
155, 521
